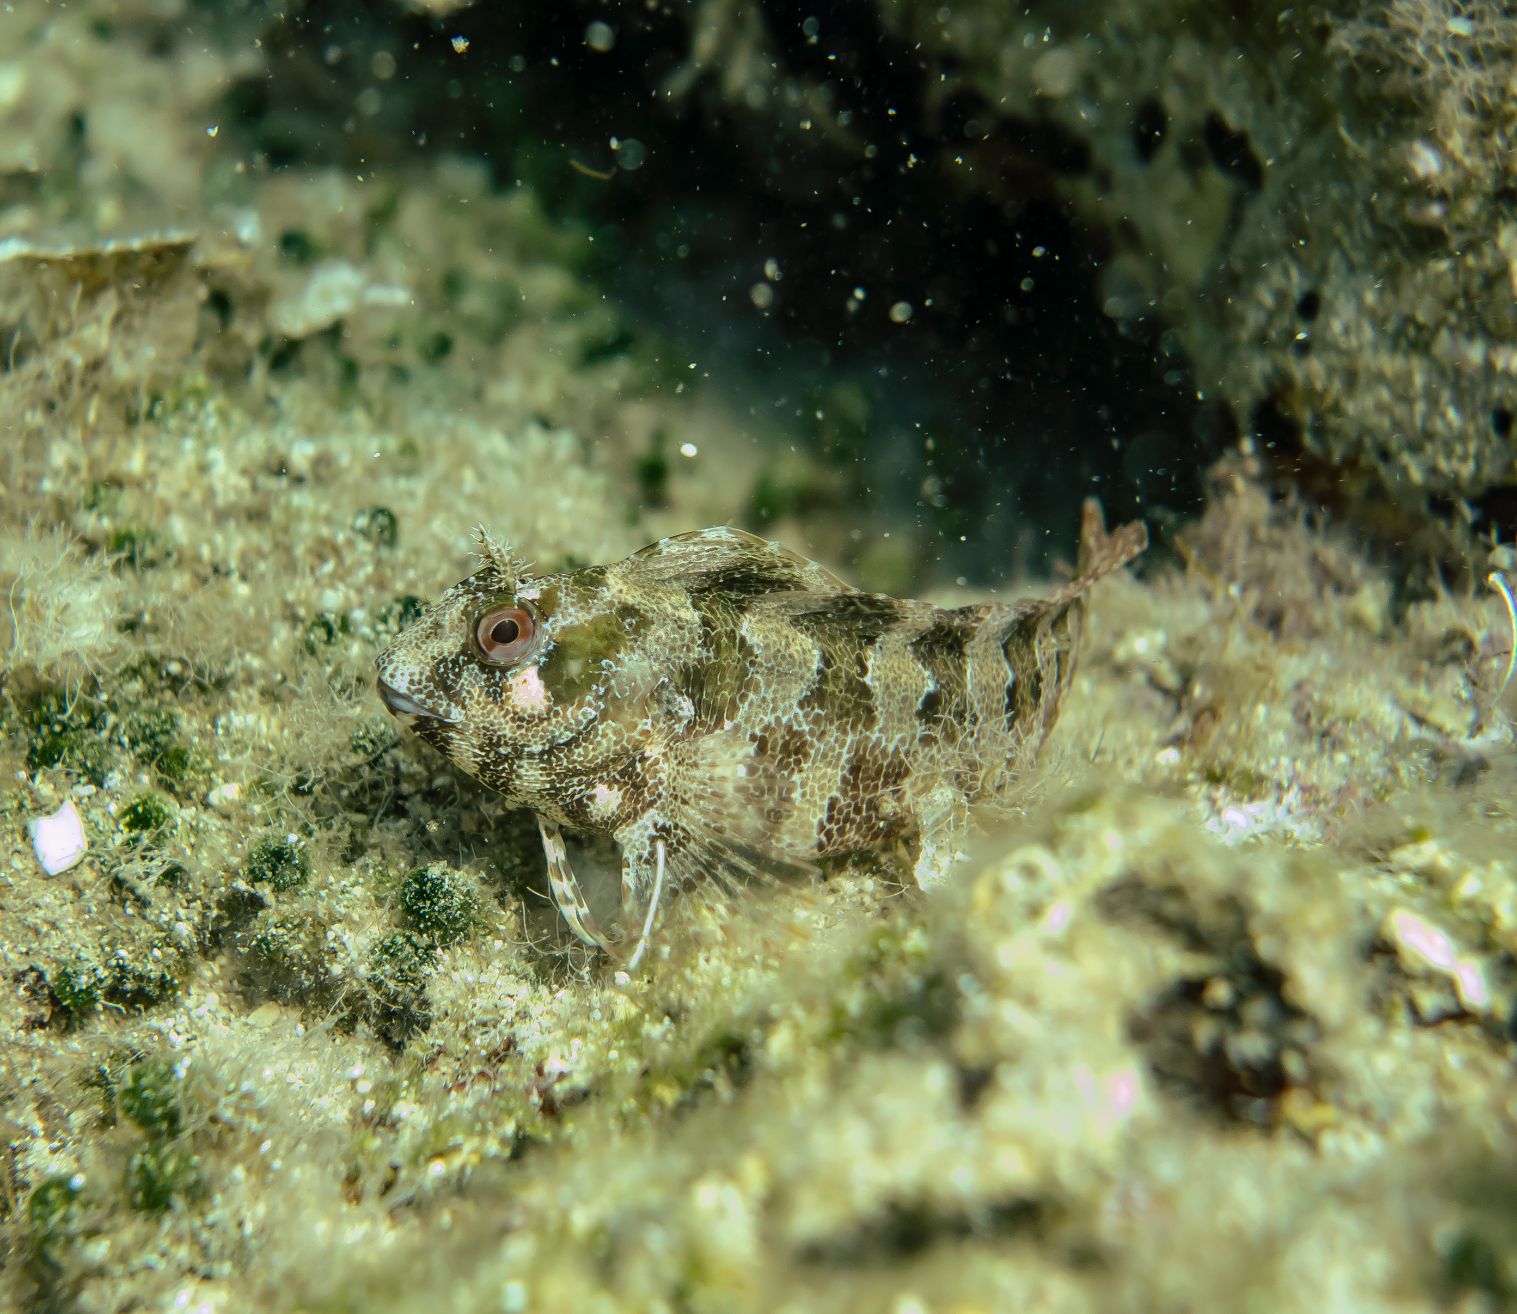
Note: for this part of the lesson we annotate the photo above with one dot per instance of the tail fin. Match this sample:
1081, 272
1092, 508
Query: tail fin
1041, 642
1100, 552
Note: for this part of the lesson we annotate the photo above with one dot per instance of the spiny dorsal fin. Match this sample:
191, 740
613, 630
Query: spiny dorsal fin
732, 559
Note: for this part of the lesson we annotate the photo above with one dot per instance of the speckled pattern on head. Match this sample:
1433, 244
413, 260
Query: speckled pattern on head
724, 707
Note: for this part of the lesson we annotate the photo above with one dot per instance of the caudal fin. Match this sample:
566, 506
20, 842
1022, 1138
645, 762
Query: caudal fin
1100, 552
1040, 637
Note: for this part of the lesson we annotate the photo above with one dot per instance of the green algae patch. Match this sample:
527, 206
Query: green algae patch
398, 613
145, 816
288, 959
76, 988
65, 731
379, 525
136, 547
155, 738
397, 972
55, 1217
439, 904
150, 1096
159, 1175
322, 631
280, 862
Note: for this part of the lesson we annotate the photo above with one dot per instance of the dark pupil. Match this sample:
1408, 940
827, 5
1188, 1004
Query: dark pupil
505, 631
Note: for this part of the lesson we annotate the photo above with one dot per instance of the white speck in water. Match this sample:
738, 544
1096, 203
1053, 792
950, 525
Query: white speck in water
460, 44
600, 36
58, 839
688, 449
900, 312
630, 153
762, 295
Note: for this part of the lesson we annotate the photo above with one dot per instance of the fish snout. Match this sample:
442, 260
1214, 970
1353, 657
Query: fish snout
405, 708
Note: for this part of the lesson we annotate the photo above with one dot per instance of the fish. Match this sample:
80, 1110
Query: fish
726, 709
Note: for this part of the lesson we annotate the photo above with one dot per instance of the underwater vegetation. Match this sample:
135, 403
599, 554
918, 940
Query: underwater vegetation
1222, 1012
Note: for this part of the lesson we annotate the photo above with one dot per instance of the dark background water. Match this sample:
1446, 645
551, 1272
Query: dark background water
985, 412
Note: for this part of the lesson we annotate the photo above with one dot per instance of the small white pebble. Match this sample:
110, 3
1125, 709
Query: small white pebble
1421, 941
58, 839
1469, 984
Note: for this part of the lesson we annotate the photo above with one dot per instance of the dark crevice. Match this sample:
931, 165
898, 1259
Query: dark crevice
1232, 153
1148, 129
1031, 395
903, 1230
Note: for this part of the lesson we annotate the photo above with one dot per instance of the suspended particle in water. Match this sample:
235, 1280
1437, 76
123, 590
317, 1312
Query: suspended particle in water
630, 153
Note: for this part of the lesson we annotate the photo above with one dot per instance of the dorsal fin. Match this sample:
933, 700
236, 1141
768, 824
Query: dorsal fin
731, 560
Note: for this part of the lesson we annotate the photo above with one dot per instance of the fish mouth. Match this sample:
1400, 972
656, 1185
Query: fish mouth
406, 708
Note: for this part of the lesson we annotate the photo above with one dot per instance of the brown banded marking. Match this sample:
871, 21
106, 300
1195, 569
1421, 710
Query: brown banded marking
1039, 651
721, 674
785, 663
845, 631
788, 748
942, 650
867, 809
897, 678
1024, 683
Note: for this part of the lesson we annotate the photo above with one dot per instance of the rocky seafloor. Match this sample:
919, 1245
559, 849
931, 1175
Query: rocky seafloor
1220, 1012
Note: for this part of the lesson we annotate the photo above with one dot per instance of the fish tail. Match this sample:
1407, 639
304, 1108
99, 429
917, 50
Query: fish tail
1039, 639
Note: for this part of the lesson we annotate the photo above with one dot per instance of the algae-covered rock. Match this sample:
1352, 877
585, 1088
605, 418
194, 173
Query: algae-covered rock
1307, 208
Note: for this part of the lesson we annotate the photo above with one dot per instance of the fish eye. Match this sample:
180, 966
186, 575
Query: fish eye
505, 634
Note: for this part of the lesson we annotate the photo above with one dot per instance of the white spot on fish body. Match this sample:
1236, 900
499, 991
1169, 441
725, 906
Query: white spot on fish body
526, 691
603, 802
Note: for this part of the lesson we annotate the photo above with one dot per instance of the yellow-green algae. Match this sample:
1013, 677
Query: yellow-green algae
1221, 1015
1116, 1062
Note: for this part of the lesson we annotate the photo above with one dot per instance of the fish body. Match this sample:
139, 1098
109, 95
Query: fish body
724, 707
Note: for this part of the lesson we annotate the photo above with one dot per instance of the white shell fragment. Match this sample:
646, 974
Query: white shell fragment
58, 839
1420, 944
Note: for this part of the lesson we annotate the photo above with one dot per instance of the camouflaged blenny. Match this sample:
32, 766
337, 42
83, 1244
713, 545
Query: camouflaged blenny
724, 707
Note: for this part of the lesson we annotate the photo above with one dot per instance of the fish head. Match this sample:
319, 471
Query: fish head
525, 682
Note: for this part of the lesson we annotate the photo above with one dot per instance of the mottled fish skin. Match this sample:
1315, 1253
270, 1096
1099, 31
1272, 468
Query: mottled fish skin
721, 703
